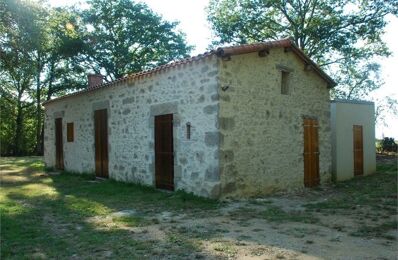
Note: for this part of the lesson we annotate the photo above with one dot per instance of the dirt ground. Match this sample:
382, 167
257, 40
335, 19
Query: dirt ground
239, 230
234, 235
239, 236
350, 220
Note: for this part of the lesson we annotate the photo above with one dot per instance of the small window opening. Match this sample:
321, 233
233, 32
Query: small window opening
285, 83
188, 130
69, 132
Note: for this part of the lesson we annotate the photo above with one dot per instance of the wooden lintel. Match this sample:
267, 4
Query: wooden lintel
288, 49
226, 57
308, 67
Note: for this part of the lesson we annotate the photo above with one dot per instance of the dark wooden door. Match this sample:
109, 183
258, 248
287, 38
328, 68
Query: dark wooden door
59, 148
358, 150
311, 153
164, 158
101, 143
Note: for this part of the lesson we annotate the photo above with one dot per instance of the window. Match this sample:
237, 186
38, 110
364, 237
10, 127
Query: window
285, 73
285, 83
69, 132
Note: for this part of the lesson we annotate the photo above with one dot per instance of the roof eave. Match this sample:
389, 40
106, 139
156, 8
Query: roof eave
331, 83
220, 52
285, 43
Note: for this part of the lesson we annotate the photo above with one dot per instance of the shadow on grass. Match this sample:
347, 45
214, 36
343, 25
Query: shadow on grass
48, 216
56, 231
51, 216
376, 191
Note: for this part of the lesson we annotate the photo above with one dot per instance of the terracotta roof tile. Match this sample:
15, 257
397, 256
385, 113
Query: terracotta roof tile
285, 43
220, 52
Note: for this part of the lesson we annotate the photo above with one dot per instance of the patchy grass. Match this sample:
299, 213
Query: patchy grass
376, 191
33, 163
276, 214
371, 199
387, 167
377, 231
225, 248
260, 202
65, 216
132, 221
68, 215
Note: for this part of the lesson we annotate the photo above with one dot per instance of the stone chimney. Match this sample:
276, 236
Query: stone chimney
94, 80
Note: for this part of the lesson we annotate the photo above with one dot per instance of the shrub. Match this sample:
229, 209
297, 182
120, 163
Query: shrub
388, 145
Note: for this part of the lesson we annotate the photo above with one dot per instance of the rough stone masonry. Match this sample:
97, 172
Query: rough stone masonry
246, 136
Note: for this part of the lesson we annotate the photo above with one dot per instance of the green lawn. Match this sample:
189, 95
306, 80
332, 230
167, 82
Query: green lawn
66, 215
46, 215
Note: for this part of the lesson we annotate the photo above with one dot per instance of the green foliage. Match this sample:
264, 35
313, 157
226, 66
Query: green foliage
62, 53
386, 106
7, 125
19, 37
379, 148
388, 145
342, 36
47, 52
36, 43
126, 37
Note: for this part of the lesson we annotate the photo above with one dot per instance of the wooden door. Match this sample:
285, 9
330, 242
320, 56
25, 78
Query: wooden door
358, 150
101, 143
59, 148
311, 153
164, 158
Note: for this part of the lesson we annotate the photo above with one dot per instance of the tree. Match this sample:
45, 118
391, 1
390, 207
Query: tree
342, 36
388, 145
60, 41
37, 57
63, 68
18, 36
128, 37
386, 107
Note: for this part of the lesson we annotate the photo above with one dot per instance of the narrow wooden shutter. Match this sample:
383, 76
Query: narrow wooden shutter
311, 153
358, 149
164, 154
59, 150
69, 132
104, 150
101, 143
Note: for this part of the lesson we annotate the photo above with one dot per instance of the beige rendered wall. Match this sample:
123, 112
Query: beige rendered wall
344, 115
261, 130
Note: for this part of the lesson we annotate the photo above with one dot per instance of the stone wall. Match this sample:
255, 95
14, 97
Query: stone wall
190, 92
261, 141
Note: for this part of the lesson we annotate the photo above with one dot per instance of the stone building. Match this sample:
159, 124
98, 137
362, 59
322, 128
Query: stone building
234, 122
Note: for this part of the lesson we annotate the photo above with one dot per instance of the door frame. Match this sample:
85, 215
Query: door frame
357, 171
59, 144
311, 152
157, 110
173, 131
100, 173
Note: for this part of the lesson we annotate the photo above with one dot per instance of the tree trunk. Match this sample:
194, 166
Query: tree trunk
50, 82
18, 127
39, 141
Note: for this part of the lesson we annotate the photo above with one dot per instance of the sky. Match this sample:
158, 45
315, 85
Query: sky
192, 17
